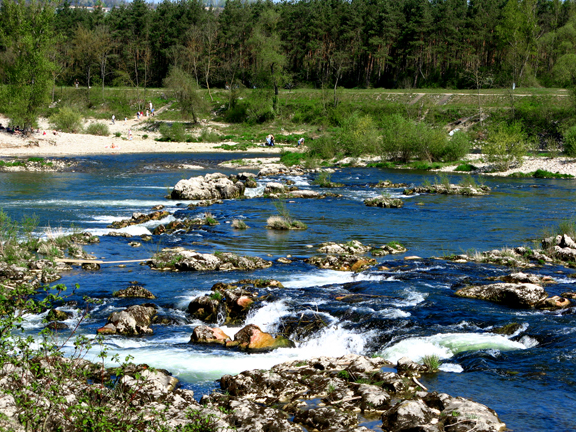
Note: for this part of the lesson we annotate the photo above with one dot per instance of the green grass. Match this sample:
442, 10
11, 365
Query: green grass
543, 174
432, 362
292, 158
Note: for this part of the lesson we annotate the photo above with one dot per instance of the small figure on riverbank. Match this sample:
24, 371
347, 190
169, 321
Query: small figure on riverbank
138, 115
300, 142
130, 134
113, 119
270, 140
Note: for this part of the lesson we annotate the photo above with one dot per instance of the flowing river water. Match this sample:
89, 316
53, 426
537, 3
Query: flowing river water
528, 377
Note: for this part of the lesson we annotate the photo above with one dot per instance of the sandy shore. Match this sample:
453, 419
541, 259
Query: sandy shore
59, 144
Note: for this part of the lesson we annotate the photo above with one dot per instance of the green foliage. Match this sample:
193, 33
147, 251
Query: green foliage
67, 120
99, 129
27, 37
292, 158
570, 142
117, 134
216, 295
239, 224
506, 145
175, 132
185, 90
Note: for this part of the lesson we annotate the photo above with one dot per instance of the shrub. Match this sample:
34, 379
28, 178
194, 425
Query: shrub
506, 145
456, 148
117, 134
176, 132
278, 223
99, 129
432, 362
67, 120
239, 224
292, 158
570, 142
465, 167
209, 136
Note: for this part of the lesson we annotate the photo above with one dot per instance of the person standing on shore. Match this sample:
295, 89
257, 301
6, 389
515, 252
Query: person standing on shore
113, 119
130, 134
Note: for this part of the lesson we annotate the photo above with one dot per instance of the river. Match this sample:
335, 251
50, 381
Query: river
527, 378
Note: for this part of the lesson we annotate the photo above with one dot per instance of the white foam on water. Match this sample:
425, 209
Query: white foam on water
133, 203
299, 180
266, 317
105, 219
134, 230
255, 192
393, 313
451, 367
447, 345
151, 224
328, 277
412, 298
528, 341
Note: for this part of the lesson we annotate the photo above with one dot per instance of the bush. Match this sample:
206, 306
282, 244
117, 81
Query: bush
175, 132
239, 224
456, 148
506, 145
99, 129
570, 142
67, 120
292, 158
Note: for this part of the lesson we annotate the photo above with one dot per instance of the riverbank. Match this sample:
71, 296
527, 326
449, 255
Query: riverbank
48, 142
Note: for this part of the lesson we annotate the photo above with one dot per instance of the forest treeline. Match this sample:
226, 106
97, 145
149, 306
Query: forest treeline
350, 43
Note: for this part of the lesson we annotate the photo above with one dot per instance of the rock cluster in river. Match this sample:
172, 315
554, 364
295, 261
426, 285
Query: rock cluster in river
250, 339
139, 218
278, 190
208, 187
324, 394
450, 189
560, 249
519, 292
327, 394
180, 259
132, 321
341, 262
384, 202
387, 184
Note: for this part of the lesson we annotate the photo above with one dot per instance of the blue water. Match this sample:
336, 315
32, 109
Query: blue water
527, 378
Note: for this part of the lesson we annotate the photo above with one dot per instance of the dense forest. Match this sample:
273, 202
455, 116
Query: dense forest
350, 43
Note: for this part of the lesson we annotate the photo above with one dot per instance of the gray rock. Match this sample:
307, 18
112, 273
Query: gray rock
325, 419
208, 187
524, 295
132, 321
407, 416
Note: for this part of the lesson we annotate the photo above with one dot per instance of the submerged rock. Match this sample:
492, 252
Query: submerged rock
208, 187
390, 248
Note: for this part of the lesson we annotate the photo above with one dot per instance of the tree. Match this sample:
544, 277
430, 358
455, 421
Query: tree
27, 38
184, 89
84, 52
506, 145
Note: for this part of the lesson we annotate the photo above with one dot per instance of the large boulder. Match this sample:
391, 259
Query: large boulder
132, 321
252, 339
205, 308
208, 335
407, 416
210, 186
524, 295
325, 418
